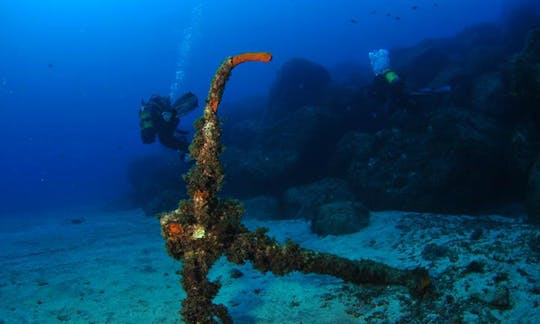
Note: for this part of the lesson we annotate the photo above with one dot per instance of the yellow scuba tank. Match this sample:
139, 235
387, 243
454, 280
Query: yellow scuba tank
145, 119
390, 76
147, 127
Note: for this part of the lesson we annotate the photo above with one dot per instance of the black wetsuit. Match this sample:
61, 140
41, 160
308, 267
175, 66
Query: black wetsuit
390, 91
157, 117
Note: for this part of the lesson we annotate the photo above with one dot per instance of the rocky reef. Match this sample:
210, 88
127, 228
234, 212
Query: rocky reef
155, 181
468, 149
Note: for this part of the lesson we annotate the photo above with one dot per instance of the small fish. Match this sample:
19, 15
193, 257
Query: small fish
50, 65
414, 7
388, 15
435, 4
353, 21
397, 18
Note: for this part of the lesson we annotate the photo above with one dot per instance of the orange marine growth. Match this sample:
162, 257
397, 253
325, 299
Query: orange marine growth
252, 56
213, 103
224, 71
175, 228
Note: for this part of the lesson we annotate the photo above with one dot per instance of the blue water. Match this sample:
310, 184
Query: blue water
72, 73
72, 76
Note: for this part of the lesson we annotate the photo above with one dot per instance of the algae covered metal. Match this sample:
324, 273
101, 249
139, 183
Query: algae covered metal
205, 227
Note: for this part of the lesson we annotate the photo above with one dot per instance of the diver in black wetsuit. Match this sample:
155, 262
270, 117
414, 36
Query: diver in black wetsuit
158, 117
387, 86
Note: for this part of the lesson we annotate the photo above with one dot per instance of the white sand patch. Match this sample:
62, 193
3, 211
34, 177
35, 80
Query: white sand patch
113, 267
110, 268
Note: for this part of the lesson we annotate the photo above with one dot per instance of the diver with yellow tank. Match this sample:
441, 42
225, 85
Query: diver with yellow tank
387, 86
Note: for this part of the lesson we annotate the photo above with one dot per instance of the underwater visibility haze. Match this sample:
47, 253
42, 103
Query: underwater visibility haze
73, 73
385, 156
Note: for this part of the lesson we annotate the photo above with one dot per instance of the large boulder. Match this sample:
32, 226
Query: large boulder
242, 121
257, 171
352, 146
262, 208
156, 181
288, 152
339, 218
473, 63
299, 82
454, 165
439, 62
304, 201
488, 93
524, 81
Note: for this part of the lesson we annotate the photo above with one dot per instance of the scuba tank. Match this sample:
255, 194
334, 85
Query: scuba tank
146, 124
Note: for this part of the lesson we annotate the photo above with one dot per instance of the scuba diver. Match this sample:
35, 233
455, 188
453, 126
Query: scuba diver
158, 117
387, 86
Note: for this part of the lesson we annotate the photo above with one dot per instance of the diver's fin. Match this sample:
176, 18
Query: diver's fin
430, 91
443, 89
185, 104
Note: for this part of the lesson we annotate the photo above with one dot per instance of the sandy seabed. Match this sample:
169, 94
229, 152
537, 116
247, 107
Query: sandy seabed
112, 267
